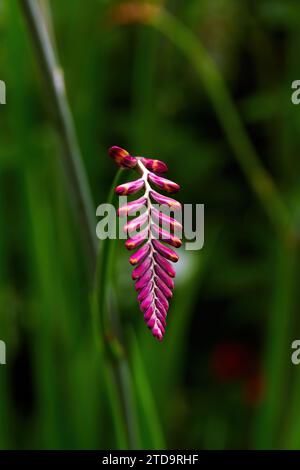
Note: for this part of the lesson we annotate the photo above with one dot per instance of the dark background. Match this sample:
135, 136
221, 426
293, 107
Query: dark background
222, 378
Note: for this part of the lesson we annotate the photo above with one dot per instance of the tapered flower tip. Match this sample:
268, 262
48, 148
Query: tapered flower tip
154, 319
154, 165
158, 332
122, 157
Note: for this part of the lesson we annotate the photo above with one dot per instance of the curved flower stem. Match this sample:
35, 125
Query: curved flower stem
144, 393
72, 160
80, 193
103, 266
244, 151
108, 319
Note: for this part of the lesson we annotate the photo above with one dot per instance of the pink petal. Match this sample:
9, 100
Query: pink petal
154, 165
161, 308
135, 224
161, 318
132, 207
163, 183
149, 312
143, 280
130, 188
160, 199
140, 270
164, 264
164, 288
162, 218
134, 242
157, 332
162, 299
145, 291
122, 157
145, 304
165, 236
164, 276
165, 251
160, 327
139, 255
151, 321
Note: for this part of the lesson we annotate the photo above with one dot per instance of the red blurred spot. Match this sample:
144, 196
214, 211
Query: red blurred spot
134, 12
254, 389
232, 361
236, 361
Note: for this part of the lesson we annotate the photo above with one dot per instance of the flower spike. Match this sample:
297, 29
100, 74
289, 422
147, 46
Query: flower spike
149, 233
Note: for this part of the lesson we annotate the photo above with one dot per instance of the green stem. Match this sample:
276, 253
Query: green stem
269, 423
145, 397
72, 160
103, 267
216, 89
80, 193
108, 319
290, 437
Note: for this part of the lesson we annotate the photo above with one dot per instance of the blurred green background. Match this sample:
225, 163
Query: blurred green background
223, 377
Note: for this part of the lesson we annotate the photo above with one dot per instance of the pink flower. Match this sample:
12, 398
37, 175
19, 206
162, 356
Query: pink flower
149, 234
122, 157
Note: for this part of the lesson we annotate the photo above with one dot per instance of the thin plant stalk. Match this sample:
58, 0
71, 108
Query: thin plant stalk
270, 417
107, 319
72, 159
216, 89
79, 187
146, 398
